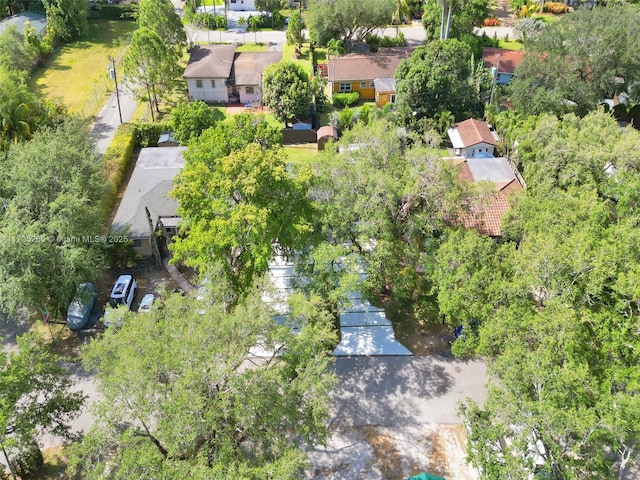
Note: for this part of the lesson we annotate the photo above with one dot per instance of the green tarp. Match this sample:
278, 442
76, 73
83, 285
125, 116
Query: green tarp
425, 476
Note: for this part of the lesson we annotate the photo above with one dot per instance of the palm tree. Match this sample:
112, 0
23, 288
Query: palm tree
402, 10
254, 23
16, 122
242, 22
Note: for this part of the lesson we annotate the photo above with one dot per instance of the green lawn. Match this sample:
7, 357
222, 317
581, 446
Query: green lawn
300, 154
77, 73
510, 44
305, 55
252, 47
546, 17
211, 3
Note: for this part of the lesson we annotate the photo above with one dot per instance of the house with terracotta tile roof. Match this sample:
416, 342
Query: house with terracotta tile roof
473, 138
486, 214
503, 61
371, 74
218, 74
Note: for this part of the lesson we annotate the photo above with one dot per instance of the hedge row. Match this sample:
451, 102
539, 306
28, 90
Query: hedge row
116, 160
148, 133
345, 99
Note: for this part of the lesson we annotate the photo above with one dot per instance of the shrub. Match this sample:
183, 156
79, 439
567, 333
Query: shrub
347, 118
116, 160
491, 22
115, 11
398, 41
373, 42
555, 7
345, 99
148, 133
29, 460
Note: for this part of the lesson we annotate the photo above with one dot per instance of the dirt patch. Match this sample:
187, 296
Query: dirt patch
55, 463
388, 453
385, 454
424, 339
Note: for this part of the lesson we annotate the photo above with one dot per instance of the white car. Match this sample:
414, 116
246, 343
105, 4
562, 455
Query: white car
147, 302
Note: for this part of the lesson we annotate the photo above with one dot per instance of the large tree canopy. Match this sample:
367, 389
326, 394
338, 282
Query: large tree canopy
36, 395
557, 305
349, 20
381, 201
436, 79
453, 19
151, 68
67, 19
184, 397
160, 16
287, 91
240, 204
52, 189
586, 56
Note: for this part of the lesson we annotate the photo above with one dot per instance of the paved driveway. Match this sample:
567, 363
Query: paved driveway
403, 391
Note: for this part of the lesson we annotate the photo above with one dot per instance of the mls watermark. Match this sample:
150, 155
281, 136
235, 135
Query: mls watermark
77, 239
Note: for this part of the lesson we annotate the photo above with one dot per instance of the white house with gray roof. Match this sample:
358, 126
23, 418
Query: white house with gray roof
219, 74
151, 181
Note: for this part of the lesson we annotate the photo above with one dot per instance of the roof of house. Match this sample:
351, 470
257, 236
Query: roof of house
19, 20
149, 186
210, 61
367, 66
486, 216
384, 84
248, 66
472, 132
509, 59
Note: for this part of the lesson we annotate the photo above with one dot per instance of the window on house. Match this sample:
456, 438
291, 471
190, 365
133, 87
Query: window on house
363, 84
137, 242
213, 84
198, 83
371, 85
249, 89
345, 87
392, 98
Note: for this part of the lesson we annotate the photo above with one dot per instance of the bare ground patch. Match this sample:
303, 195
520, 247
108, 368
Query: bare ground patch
388, 453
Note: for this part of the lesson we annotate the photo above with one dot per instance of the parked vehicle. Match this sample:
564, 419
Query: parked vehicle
80, 307
147, 302
123, 291
114, 317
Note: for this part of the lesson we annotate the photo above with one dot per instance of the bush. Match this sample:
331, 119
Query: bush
265, 21
477, 43
373, 42
345, 99
491, 22
555, 7
398, 41
116, 160
347, 118
28, 461
148, 133
114, 12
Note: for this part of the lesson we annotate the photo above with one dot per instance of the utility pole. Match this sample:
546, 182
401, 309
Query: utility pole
114, 76
495, 71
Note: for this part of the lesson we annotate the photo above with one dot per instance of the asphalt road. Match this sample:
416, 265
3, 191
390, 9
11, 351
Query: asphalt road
400, 391
108, 120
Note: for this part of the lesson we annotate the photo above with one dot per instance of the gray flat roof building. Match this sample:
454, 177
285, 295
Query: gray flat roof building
149, 186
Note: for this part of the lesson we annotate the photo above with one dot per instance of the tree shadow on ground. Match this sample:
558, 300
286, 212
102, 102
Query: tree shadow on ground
386, 390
